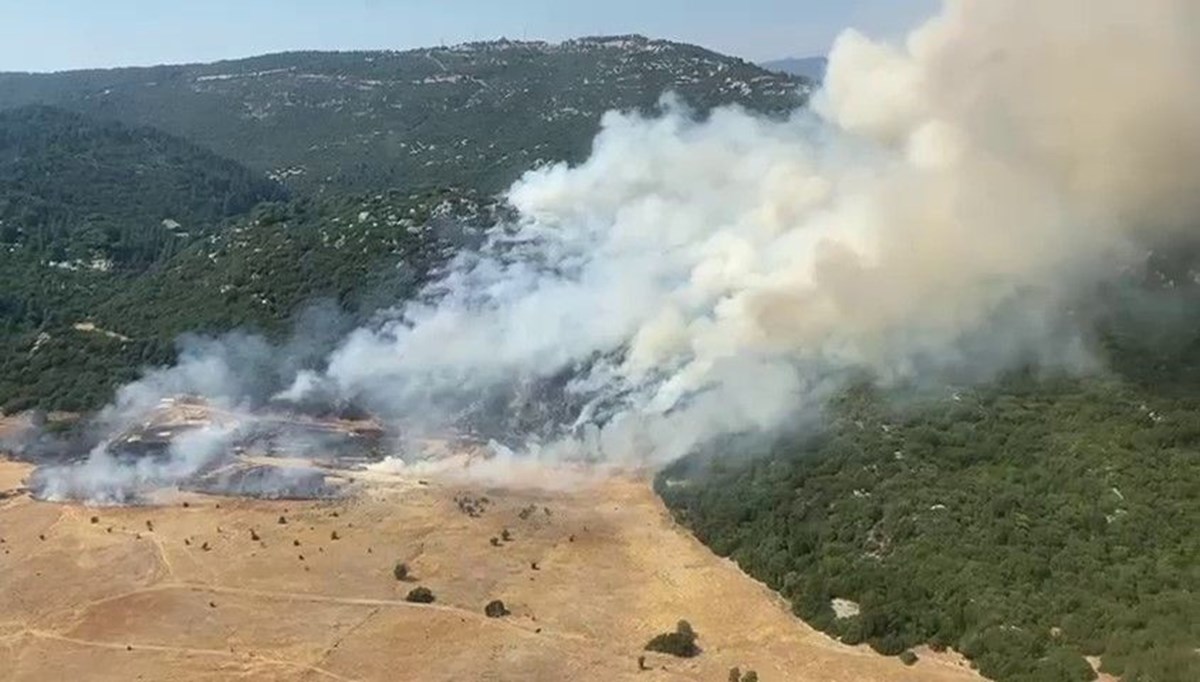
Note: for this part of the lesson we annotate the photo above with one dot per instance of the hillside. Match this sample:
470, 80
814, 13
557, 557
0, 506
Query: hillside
76, 334
86, 193
812, 68
1042, 525
91, 202
471, 115
87, 209
1027, 524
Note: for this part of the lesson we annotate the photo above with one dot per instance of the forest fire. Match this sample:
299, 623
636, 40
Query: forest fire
187, 443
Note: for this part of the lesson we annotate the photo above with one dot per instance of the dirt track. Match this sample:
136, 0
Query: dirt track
117, 599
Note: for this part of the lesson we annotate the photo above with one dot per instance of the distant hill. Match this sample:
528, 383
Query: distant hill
74, 190
812, 68
472, 115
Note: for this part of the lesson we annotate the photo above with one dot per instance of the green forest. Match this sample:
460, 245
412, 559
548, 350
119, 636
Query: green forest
1027, 524
77, 189
358, 252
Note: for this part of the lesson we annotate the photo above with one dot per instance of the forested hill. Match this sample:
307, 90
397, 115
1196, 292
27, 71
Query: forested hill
1029, 523
76, 192
472, 115
128, 195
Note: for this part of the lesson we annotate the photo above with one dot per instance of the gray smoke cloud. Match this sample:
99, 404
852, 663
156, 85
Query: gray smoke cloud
105, 477
938, 212
183, 426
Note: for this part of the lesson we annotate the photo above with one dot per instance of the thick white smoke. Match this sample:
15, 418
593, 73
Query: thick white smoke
951, 199
938, 212
105, 478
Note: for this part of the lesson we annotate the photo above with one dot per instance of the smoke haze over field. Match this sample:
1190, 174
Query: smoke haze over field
938, 214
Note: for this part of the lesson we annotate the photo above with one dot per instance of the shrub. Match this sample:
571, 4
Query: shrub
495, 609
420, 595
400, 571
681, 643
908, 657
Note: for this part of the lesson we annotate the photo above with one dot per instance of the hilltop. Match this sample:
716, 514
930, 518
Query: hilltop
475, 115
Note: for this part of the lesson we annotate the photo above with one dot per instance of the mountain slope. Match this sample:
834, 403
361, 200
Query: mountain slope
87, 209
1028, 524
73, 335
812, 68
473, 115
79, 191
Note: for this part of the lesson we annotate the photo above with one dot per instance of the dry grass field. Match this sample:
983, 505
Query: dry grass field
210, 588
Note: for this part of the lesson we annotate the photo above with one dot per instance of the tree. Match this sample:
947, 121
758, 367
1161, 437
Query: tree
681, 643
420, 595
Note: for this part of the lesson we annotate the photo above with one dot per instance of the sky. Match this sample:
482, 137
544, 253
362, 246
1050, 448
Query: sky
52, 35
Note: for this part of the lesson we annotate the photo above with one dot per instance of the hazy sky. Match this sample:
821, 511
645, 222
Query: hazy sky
46, 35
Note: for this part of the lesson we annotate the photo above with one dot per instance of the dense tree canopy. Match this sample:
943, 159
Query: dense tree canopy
87, 194
1028, 524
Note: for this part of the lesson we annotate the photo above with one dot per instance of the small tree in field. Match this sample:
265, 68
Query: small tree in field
400, 571
681, 643
495, 609
420, 595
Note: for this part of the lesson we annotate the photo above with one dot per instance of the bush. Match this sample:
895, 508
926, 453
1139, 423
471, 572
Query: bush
420, 595
495, 609
681, 643
908, 657
400, 571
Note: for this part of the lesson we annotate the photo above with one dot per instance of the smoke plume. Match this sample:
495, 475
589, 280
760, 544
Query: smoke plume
938, 212
949, 201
